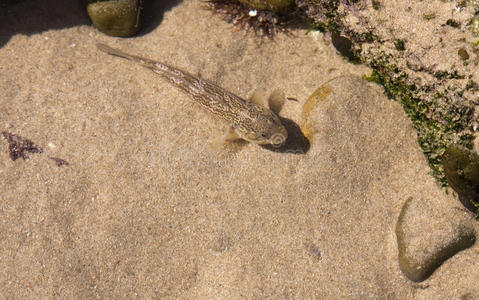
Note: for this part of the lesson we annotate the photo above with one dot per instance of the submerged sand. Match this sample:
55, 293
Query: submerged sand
146, 209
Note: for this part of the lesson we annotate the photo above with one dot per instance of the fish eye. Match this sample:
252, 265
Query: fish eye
264, 135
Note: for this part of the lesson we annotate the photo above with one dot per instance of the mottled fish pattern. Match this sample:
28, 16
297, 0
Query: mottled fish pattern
250, 121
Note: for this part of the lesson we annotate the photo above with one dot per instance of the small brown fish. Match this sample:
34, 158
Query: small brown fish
250, 120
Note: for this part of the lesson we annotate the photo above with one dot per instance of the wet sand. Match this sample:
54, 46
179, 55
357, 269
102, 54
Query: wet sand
145, 208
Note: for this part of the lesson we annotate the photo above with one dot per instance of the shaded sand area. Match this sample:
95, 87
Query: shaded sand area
146, 209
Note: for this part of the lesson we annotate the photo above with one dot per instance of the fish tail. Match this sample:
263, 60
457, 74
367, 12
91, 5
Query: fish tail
150, 64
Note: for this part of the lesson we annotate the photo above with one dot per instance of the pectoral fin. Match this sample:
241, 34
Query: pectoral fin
258, 97
276, 101
229, 136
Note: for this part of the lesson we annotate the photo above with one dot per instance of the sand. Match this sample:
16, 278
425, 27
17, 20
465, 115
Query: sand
146, 209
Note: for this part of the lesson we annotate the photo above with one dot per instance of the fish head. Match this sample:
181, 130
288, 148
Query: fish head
266, 128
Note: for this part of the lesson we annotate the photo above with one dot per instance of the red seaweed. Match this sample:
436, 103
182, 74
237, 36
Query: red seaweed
58, 161
19, 147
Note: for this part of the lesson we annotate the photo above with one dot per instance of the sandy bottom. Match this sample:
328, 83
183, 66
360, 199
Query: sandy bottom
145, 208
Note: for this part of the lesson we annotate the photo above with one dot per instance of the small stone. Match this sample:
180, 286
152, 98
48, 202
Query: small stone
344, 46
115, 18
453, 23
461, 167
463, 54
399, 44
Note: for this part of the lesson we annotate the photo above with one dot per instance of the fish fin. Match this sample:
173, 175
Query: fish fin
276, 101
258, 97
229, 136
148, 63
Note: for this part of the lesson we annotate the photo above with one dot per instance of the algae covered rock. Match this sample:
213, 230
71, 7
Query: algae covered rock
281, 6
116, 18
461, 167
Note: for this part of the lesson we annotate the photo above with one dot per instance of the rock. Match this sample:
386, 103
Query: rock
440, 103
463, 54
115, 18
461, 167
427, 235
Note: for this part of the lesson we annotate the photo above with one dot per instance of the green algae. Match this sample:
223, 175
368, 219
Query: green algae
473, 26
433, 136
438, 119
429, 16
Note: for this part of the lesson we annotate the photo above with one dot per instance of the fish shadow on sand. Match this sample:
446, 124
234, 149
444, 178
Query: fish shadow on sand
153, 14
296, 143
